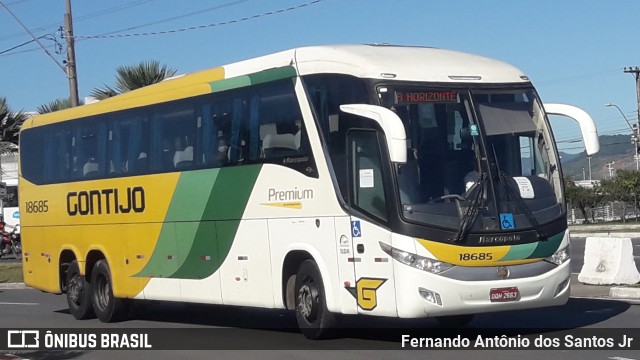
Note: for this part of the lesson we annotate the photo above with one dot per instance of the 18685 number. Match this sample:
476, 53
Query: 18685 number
475, 256
38, 206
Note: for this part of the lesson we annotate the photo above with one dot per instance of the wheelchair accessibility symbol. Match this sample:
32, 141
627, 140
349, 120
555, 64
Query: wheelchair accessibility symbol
506, 221
355, 229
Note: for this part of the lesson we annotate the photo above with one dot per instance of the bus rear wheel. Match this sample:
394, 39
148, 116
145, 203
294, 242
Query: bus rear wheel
107, 307
314, 319
79, 292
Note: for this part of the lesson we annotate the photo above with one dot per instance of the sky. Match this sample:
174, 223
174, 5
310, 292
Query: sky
574, 51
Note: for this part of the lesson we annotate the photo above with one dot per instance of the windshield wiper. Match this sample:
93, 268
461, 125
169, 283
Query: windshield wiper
471, 212
515, 197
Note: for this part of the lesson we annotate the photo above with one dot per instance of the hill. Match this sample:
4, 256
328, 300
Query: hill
613, 148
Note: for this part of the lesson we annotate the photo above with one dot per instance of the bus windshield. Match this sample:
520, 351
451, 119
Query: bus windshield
480, 158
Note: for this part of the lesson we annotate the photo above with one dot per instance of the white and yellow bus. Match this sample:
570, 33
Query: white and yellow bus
380, 180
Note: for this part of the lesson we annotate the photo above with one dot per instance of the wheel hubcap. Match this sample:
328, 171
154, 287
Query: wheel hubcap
73, 289
308, 302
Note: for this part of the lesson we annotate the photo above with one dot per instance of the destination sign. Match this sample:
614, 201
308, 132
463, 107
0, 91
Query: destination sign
408, 96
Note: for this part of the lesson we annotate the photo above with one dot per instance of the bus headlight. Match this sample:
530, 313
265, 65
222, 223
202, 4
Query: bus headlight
560, 257
416, 261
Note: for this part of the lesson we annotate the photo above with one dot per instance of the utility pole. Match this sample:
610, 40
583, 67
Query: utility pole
610, 168
636, 73
72, 74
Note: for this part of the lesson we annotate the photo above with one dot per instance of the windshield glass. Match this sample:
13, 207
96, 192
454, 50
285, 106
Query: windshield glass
483, 159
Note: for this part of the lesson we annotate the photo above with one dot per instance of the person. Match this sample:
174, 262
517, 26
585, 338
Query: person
168, 150
4, 245
221, 156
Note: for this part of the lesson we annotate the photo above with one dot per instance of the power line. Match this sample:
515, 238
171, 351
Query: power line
576, 77
46, 36
112, 35
79, 18
218, 7
104, 12
16, 2
33, 36
173, 31
110, 10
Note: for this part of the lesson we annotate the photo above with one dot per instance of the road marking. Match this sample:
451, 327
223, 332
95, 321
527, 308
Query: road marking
619, 358
11, 303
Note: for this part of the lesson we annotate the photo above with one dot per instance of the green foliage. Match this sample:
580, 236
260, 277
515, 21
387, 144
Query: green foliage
624, 187
10, 123
585, 199
55, 105
134, 77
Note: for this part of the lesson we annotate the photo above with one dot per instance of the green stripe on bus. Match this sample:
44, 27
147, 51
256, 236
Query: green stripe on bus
272, 75
231, 192
181, 223
191, 195
520, 252
228, 84
253, 79
549, 247
220, 222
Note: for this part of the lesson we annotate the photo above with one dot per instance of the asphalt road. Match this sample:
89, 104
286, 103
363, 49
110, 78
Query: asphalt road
245, 328
33, 309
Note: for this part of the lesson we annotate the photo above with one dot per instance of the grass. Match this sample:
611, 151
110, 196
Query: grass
10, 273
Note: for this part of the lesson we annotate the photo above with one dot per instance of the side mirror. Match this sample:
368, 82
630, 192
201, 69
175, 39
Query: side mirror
587, 126
389, 122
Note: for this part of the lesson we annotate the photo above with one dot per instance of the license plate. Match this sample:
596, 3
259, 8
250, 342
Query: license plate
504, 294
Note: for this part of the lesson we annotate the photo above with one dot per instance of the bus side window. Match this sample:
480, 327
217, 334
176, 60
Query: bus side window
365, 168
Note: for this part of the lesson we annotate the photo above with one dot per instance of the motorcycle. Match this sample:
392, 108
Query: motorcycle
10, 243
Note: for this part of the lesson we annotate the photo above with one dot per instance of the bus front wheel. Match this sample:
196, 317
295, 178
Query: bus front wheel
314, 319
107, 307
78, 293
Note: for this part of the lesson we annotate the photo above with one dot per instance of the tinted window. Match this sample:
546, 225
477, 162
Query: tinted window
255, 124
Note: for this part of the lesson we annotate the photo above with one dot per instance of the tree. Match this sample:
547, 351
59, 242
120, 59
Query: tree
10, 123
134, 77
56, 105
585, 199
623, 187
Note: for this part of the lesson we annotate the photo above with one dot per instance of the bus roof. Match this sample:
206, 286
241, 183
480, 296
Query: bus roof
406, 63
366, 61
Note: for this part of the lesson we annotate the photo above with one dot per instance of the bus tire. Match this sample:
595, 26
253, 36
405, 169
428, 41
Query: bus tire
455, 321
314, 319
79, 292
107, 307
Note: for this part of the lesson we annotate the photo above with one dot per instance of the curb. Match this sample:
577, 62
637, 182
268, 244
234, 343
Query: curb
13, 286
625, 292
606, 234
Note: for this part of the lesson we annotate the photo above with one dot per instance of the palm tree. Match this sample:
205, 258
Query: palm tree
134, 77
55, 105
10, 123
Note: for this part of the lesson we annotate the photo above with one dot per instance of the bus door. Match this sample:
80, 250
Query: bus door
374, 289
